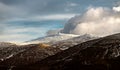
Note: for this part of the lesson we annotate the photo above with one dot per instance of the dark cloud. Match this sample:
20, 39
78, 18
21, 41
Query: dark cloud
12, 2
45, 7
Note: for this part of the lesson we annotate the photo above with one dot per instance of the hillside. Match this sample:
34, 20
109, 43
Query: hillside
98, 54
51, 38
25, 54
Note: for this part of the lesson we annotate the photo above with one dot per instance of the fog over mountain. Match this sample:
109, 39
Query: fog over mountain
98, 21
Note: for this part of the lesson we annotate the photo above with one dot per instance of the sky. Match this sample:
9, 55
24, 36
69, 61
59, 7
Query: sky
23, 20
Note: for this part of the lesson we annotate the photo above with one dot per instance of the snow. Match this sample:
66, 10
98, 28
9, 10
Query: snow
52, 38
2, 59
9, 56
64, 47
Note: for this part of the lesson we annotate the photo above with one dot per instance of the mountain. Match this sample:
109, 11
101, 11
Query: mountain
15, 55
52, 38
65, 44
6, 44
25, 54
62, 41
97, 54
7, 49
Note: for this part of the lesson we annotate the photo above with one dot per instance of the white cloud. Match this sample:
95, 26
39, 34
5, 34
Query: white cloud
73, 4
22, 29
52, 17
96, 21
44, 17
117, 9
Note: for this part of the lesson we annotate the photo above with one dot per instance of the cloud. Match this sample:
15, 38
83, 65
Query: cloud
1, 30
72, 4
117, 9
55, 17
4, 11
98, 21
41, 7
39, 10
9, 12
44, 17
117, 3
51, 17
20, 34
29, 8
14, 37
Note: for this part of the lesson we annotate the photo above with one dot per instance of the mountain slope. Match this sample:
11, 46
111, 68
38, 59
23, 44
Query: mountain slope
31, 53
98, 54
52, 38
62, 41
26, 54
6, 44
65, 44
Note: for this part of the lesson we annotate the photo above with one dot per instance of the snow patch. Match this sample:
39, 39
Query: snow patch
9, 56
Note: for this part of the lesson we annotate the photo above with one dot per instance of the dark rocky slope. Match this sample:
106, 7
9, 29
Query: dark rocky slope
24, 55
98, 54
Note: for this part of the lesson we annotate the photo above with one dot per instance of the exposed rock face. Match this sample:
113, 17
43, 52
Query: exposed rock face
99, 54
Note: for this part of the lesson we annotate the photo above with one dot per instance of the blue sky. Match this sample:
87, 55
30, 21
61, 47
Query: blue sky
22, 20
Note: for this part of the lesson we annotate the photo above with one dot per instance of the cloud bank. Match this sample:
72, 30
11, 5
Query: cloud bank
98, 21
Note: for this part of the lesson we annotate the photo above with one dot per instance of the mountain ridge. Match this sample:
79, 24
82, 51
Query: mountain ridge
98, 54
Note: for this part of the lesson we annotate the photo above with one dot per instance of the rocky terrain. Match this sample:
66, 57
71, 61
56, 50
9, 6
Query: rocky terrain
62, 41
98, 54
65, 44
7, 44
24, 54
19, 55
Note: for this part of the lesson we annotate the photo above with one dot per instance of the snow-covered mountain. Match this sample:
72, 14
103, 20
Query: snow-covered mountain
65, 44
62, 41
51, 38
98, 54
